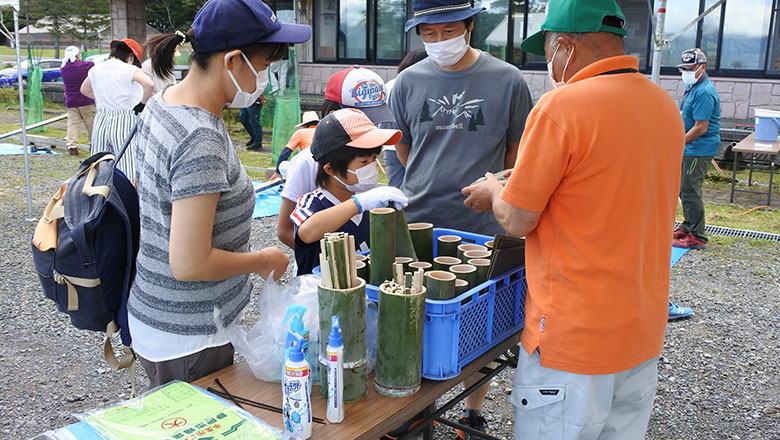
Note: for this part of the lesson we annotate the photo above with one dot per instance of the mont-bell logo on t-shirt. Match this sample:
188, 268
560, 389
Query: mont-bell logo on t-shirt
368, 93
453, 112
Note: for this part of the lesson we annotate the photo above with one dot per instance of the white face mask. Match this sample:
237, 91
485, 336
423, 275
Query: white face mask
244, 99
367, 176
448, 52
689, 77
555, 83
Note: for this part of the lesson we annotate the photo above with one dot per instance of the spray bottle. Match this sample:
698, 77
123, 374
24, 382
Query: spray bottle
296, 311
295, 390
335, 356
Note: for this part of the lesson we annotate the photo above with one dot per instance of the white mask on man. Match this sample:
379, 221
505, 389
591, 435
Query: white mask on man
448, 52
689, 77
560, 83
244, 99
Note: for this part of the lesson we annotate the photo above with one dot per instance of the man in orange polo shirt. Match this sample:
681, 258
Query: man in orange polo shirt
594, 190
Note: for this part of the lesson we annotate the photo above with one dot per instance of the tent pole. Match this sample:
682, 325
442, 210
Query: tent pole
21, 110
660, 41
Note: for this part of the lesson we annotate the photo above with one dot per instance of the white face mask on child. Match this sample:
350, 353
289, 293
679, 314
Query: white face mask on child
367, 176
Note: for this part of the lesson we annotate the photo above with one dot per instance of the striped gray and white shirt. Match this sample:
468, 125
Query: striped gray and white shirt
184, 152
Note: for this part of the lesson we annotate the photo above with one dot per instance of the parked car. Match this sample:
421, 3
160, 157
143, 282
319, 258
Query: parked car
50, 67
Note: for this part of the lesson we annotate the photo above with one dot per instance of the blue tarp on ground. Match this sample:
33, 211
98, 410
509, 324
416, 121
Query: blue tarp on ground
17, 149
677, 253
267, 202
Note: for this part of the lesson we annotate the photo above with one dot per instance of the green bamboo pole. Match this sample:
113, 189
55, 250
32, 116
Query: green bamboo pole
461, 286
399, 340
422, 239
470, 255
350, 306
382, 238
448, 246
424, 265
499, 175
403, 240
440, 284
465, 272
482, 265
465, 247
362, 269
444, 263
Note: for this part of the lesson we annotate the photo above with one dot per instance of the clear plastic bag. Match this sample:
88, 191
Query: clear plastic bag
178, 409
263, 345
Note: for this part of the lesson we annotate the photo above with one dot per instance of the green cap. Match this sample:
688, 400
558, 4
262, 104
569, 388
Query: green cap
575, 16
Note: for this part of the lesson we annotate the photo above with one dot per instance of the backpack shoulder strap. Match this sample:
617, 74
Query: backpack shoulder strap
127, 361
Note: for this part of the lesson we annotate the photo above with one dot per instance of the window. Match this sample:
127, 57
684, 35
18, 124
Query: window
678, 14
774, 50
326, 25
352, 31
745, 34
390, 21
491, 28
637, 29
535, 13
710, 28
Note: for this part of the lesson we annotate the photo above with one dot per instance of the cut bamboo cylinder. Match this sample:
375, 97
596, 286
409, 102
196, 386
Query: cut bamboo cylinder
447, 246
362, 269
465, 272
405, 262
461, 286
424, 265
482, 265
465, 247
403, 239
440, 285
350, 306
469, 255
489, 244
422, 239
382, 238
399, 341
361, 257
444, 263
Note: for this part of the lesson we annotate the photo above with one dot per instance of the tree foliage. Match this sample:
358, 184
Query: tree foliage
172, 15
79, 18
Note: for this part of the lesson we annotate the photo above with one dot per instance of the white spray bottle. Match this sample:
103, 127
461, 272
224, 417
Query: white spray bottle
335, 356
295, 390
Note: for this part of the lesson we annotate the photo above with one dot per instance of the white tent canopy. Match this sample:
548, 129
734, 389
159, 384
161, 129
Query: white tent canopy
497, 37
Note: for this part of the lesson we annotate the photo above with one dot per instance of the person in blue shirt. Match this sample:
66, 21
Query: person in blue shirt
345, 146
700, 110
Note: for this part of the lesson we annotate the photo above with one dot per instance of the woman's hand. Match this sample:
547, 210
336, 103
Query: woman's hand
273, 262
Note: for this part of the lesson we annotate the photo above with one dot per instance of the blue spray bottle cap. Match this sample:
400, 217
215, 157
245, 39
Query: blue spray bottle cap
296, 349
295, 311
334, 340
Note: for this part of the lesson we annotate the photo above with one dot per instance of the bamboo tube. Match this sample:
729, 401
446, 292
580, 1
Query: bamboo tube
444, 263
489, 244
447, 246
461, 286
440, 284
403, 240
470, 255
404, 261
382, 238
463, 248
350, 306
465, 272
361, 257
424, 265
399, 341
362, 269
482, 265
422, 239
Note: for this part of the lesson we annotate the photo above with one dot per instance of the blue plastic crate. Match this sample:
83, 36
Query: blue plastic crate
473, 322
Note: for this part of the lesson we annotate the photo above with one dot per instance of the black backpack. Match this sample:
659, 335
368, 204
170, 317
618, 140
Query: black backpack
84, 249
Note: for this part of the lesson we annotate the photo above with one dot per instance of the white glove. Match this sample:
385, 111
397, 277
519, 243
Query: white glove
379, 197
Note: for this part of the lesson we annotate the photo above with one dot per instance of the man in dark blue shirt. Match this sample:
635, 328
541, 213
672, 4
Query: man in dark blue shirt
700, 110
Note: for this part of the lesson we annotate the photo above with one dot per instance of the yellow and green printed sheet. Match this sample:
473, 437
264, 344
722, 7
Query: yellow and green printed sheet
178, 411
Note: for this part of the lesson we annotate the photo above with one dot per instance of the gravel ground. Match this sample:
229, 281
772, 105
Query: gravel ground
719, 372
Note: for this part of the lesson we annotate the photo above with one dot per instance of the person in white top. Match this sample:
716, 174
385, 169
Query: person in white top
120, 90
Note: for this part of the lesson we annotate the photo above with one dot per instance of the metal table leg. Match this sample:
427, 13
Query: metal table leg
733, 175
771, 175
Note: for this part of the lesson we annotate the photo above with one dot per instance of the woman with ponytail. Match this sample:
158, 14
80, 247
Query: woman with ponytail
196, 201
119, 89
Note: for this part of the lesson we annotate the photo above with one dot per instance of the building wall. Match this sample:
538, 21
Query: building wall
738, 96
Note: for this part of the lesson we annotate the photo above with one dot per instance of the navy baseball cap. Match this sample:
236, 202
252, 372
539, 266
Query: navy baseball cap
440, 11
230, 24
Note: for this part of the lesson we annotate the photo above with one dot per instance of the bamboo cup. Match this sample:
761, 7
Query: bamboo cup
424, 265
489, 244
350, 306
465, 272
382, 238
440, 284
400, 322
444, 263
422, 239
482, 265
461, 286
361, 257
468, 255
448, 246
465, 247
362, 269
405, 261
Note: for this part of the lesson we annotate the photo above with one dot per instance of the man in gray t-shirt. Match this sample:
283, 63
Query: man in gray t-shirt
462, 113
459, 121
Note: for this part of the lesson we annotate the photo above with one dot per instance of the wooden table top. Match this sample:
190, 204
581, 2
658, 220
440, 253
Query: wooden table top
368, 418
750, 145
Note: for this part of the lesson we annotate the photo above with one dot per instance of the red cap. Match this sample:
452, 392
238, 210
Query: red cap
132, 44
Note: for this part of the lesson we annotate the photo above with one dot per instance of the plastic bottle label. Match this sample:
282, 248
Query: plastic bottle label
296, 371
332, 356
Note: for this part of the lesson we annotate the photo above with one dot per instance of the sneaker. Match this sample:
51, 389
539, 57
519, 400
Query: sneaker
473, 419
405, 427
678, 312
679, 233
73, 151
255, 148
690, 241
251, 141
